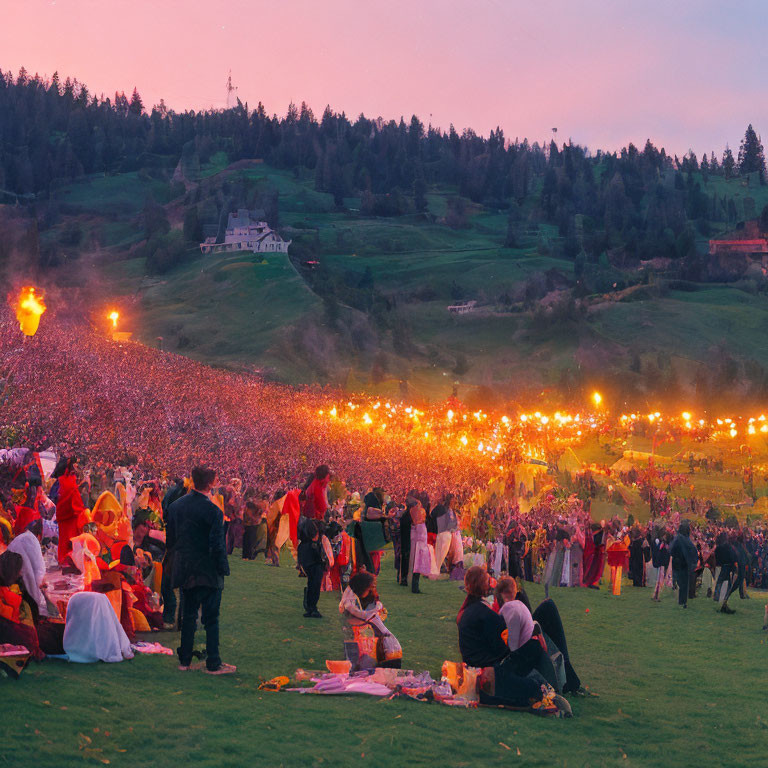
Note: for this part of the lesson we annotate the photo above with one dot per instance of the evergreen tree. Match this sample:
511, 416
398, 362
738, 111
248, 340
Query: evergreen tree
420, 193
751, 155
729, 164
136, 106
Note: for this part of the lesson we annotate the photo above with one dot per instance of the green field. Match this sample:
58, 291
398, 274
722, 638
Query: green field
676, 688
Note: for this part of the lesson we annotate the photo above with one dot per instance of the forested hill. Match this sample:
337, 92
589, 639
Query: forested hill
391, 221
52, 131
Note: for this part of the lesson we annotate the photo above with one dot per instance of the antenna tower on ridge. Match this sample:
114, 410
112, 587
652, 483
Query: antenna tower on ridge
231, 92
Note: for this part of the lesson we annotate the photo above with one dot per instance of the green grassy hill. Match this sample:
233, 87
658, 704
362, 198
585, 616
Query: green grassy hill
240, 310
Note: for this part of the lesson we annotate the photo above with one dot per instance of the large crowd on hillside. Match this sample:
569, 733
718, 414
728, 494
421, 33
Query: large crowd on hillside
106, 534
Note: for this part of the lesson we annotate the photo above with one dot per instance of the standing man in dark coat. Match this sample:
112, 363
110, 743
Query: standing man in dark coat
685, 558
195, 534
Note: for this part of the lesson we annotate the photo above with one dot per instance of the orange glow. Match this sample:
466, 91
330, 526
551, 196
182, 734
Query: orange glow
29, 307
114, 317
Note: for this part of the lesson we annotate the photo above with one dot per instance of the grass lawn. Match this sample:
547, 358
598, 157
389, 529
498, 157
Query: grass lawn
676, 688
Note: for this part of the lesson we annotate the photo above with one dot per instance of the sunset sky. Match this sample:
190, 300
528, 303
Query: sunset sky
687, 73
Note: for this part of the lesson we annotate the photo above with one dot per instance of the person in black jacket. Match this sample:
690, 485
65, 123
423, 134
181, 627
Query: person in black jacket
685, 557
310, 557
482, 644
195, 534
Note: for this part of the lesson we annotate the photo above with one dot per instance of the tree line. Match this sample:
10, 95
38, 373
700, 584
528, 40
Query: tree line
643, 202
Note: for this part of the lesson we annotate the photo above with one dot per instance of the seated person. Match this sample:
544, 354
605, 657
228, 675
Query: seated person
482, 644
367, 642
93, 632
147, 538
27, 545
528, 652
20, 620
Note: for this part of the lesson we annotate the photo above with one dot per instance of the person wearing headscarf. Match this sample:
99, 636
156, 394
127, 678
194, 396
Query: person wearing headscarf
33, 570
482, 642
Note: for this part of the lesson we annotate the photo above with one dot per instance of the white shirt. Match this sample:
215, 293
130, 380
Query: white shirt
519, 623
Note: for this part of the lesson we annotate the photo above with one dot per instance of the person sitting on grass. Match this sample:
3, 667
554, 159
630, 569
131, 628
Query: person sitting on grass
530, 646
482, 643
367, 641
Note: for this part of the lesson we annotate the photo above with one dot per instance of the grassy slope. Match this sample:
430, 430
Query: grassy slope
243, 318
676, 688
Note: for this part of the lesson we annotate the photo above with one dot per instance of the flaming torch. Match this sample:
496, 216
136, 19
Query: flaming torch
114, 317
29, 307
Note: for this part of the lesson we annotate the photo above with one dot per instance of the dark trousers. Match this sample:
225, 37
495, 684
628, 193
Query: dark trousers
682, 577
415, 582
511, 688
193, 599
168, 594
405, 564
738, 584
725, 575
314, 581
250, 542
551, 624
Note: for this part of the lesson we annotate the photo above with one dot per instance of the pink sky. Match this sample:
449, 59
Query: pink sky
604, 72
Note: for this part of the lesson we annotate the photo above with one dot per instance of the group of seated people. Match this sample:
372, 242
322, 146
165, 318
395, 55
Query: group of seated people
523, 653
112, 573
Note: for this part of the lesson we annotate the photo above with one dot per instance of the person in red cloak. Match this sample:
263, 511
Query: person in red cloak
316, 502
70, 510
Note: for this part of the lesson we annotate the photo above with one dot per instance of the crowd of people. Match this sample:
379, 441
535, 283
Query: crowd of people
123, 527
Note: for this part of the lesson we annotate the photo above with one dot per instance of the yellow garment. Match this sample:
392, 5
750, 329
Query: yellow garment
140, 623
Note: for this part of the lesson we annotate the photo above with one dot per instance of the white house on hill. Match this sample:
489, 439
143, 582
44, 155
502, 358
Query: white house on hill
245, 234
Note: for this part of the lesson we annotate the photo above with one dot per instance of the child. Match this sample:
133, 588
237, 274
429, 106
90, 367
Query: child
311, 560
367, 642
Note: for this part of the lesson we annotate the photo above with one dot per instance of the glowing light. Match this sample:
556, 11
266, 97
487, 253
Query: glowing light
686, 416
464, 440
114, 317
333, 411
597, 398
29, 308
733, 432
504, 420
751, 429
367, 419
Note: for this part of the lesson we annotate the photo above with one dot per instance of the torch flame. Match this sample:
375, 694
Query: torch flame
114, 317
29, 307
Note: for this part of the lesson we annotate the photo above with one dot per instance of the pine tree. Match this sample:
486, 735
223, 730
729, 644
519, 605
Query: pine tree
136, 106
728, 163
751, 155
